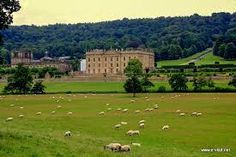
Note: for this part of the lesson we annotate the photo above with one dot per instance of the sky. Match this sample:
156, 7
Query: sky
44, 12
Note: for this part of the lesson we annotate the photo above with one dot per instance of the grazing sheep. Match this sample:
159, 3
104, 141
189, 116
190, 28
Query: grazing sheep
165, 127
12, 105
9, 119
21, 107
123, 123
113, 147
125, 110
136, 132
109, 109
67, 134
141, 121
125, 148
53, 112
21, 116
130, 132
147, 109
107, 104
118, 109
117, 126
69, 113
182, 114
59, 106
132, 101
136, 144
101, 113
156, 106
137, 111
199, 114
146, 97
38, 113
194, 114
178, 111
141, 125
150, 109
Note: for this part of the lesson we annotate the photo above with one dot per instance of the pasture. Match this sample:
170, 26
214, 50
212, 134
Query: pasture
43, 135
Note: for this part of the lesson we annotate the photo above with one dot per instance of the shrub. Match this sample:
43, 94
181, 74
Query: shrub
162, 89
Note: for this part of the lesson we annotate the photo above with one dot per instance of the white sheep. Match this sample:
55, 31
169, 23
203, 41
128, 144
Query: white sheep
9, 119
156, 106
67, 134
194, 114
123, 123
59, 106
125, 148
107, 104
21, 107
118, 109
136, 144
130, 132
12, 105
21, 116
137, 111
117, 126
125, 110
101, 113
147, 109
136, 132
142, 121
132, 101
165, 127
150, 109
142, 125
53, 112
69, 113
113, 147
38, 113
178, 111
182, 114
109, 109
199, 114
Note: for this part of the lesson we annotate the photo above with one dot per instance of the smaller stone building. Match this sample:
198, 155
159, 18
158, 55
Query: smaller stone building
114, 62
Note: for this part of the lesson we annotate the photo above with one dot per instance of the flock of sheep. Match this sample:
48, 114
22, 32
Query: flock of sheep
116, 147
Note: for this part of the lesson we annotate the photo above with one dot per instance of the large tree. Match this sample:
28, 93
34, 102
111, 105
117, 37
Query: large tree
20, 82
134, 73
7, 8
178, 82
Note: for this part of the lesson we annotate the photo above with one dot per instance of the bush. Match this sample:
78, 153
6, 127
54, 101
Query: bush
162, 89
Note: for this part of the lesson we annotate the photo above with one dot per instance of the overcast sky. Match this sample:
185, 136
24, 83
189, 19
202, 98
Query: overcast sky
43, 12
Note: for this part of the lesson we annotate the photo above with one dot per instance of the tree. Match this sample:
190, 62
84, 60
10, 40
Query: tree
233, 81
146, 83
20, 82
38, 88
7, 8
199, 83
178, 82
134, 73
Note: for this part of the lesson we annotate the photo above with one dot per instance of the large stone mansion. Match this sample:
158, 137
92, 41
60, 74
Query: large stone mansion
114, 62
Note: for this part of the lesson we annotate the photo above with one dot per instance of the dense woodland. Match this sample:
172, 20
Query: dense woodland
168, 37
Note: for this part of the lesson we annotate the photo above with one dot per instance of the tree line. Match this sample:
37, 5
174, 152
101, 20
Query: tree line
168, 37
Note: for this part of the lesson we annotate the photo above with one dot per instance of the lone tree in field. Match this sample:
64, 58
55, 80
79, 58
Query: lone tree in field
201, 82
145, 82
233, 81
178, 82
7, 8
134, 73
20, 82
38, 88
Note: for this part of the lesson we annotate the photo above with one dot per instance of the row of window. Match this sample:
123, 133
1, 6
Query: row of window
111, 59
111, 65
105, 71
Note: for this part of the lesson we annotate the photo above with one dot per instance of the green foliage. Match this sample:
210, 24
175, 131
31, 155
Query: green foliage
146, 83
162, 89
38, 88
20, 82
133, 85
199, 83
233, 81
169, 37
178, 82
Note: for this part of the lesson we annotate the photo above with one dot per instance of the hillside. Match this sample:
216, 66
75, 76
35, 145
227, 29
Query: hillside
204, 57
168, 37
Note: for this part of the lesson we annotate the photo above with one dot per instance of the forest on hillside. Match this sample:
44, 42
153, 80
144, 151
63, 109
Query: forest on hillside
168, 37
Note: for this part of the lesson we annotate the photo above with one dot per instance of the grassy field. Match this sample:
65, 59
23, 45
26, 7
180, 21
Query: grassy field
55, 87
43, 136
209, 58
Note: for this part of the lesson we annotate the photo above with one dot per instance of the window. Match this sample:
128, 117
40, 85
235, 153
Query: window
117, 70
89, 59
124, 58
129, 57
117, 65
105, 58
99, 59
94, 59
117, 59
111, 59
111, 65
124, 64
105, 70
89, 65
99, 65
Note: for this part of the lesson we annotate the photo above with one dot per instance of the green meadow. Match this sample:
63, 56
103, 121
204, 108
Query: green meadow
43, 135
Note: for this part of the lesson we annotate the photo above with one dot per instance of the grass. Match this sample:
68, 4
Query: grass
42, 136
106, 87
209, 58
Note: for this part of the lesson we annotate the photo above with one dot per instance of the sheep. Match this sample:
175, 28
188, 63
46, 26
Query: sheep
69, 113
141, 125
101, 113
125, 148
182, 114
117, 126
178, 111
21, 107
67, 134
21, 116
107, 104
9, 119
146, 97
156, 106
141, 121
137, 111
59, 106
118, 109
136, 132
109, 109
165, 127
123, 123
199, 114
132, 101
133, 132
130, 132
12, 105
38, 113
150, 109
147, 109
136, 144
53, 112
125, 110
113, 147
194, 114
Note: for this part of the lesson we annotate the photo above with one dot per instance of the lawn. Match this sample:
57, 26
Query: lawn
43, 135
106, 87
